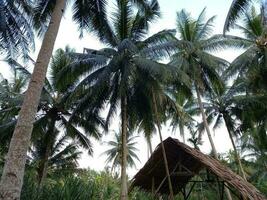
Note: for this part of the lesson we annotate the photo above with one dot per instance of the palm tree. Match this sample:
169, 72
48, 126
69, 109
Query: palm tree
11, 94
144, 116
16, 34
152, 112
194, 59
195, 139
254, 57
240, 7
254, 146
250, 69
109, 75
184, 119
11, 180
114, 153
63, 156
48, 13
220, 108
54, 111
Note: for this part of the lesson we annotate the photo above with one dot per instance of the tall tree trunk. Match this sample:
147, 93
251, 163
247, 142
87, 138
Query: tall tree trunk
124, 192
149, 147
181, 130
237, 157
206, 125
49, 141
204, 118
163, 148
112, 167
43, 168
12, 177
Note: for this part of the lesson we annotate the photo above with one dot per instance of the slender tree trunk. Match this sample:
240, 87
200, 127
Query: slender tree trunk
181, 130
43, 168
171, 196
113, 167
12, 177
49, 141
149, 145
124, 192
237, 157
204, 118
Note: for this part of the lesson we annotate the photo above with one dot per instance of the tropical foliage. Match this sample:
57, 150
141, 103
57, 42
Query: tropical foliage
143, 80
114, 152
16, 33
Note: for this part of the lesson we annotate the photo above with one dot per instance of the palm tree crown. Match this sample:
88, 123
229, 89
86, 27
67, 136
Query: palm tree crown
114, 153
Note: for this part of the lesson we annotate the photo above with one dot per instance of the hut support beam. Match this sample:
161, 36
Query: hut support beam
153, 185
186, 196
163, 180
222, 190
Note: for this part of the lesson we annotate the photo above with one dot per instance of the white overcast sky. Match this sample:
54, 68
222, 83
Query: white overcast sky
68, 35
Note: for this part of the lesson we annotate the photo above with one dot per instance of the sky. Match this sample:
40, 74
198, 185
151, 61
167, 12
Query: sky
68, 35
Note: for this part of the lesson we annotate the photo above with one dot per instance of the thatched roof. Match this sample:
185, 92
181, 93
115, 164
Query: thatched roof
184, 163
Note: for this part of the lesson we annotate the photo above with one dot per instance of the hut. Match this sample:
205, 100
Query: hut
184, 163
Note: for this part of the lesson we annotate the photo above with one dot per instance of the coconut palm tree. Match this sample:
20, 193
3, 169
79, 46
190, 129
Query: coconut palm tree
144, 117
194, 59
220, 108
149, 113
16, 33
253, 59
114, 153
47, 17
250, 69
195, 140
11, 94
184, 120
110, 75
254, 146
10, 185
240, 7
192, 55
63, 156
54, 111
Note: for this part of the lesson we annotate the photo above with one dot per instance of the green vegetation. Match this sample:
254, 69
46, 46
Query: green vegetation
49, 116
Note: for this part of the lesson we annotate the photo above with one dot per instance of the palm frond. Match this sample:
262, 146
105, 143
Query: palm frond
237, 8
92, 16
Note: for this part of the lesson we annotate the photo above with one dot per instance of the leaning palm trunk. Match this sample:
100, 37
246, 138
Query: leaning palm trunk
43, 168
163, 148
124, 192
48, 150
12, 177
204, 118
237, 157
